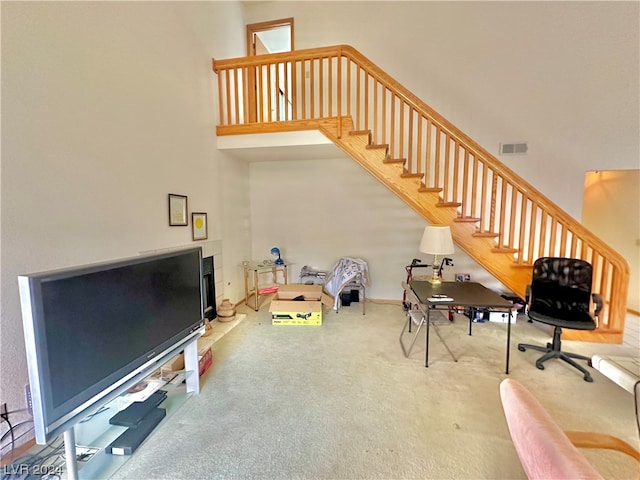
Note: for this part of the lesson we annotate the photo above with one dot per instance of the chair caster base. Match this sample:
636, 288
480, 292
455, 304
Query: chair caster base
539, 366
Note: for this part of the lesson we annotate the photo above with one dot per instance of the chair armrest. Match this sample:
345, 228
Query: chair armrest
601, 440
597, 300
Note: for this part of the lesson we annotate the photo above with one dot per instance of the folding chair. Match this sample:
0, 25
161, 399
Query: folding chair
417, 316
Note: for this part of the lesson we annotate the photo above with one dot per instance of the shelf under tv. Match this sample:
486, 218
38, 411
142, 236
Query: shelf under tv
98, 433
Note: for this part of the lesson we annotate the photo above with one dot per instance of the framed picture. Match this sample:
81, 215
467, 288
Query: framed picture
177, 210
463, 277
199, 225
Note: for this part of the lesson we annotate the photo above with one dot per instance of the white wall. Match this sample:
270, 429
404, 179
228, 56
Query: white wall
317, 211
612, 211
562, 76
106, 108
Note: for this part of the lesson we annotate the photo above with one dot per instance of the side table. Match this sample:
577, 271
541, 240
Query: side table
252, 279
624, 371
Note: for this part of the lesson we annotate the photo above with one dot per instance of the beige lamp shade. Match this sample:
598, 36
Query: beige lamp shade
436, 240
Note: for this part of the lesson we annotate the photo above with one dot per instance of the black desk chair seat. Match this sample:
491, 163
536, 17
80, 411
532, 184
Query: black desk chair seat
560, 296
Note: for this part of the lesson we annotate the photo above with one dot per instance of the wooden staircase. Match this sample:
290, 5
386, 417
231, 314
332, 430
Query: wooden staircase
428, 203
495, 216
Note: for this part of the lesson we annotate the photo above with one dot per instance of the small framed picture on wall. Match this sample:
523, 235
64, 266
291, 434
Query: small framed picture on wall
177, 210
199, 226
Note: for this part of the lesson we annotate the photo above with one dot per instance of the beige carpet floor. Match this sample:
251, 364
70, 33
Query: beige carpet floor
341, 401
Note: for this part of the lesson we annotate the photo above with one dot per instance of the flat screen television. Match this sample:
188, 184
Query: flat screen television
91, 329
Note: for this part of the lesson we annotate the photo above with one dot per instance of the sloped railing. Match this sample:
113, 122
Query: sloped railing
299, 89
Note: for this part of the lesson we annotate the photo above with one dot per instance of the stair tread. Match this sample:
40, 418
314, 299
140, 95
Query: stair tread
448, 204
359, 132
430, 189
486, 235
466, 219
378, 145
394, 160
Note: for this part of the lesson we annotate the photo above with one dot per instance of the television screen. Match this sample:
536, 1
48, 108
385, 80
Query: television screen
89, 327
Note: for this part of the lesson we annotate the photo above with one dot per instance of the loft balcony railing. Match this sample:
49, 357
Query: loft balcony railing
298, 90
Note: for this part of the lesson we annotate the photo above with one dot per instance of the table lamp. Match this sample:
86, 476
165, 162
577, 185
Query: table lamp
275, 251
436, 240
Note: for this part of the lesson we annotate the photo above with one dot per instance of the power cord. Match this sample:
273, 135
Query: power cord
5, 417
13, 437
46, 463
89, 417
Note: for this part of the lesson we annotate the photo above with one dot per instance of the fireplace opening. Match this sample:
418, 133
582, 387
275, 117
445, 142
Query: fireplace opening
209, 289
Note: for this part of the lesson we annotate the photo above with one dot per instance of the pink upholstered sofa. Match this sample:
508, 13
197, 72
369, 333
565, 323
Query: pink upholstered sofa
545, 450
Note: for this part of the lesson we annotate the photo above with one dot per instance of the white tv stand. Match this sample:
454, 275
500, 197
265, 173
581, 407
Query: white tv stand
98, 433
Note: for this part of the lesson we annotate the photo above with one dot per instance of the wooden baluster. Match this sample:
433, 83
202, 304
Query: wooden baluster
228, 80
237, 89
543, 234
384, 116
512, 212
349, 87
277, 94
294, 90
329, 86
563, 240
436, 160
242, 103
573, 245
474, 187
455, 195
494, 193
366, 100
221, 115
339, 97
268, 90
321, 88
504, 234
312, 94
468, 194
603, 290
428, 179
484, 202
357, 122
533, 229
375, 108
392, 125
419, 168
400, 138
303, 93
522, 221
410, 160
446, 182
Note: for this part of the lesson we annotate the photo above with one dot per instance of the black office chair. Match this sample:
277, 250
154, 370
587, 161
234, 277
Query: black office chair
560, 295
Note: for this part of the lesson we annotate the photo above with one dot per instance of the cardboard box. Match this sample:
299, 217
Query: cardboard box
177, 363
286, 311
205, 361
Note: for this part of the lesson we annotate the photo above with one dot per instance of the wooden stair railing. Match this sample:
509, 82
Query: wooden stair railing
490, 208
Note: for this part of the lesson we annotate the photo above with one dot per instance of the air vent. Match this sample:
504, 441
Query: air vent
519, 148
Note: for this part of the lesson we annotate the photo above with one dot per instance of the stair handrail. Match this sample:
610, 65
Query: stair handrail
513, 178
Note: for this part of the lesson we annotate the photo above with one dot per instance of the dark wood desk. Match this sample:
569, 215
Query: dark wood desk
465, 294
